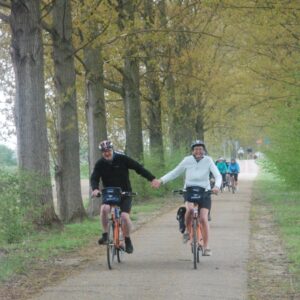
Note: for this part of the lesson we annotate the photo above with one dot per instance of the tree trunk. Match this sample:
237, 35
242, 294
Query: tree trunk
199, 124
132, 104
152, 82
67, 173
131, 83
154, 116
28, 62
172, 116
95, 111
173, 121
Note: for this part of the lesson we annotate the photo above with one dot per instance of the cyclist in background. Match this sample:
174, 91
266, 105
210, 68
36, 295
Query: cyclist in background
240, 153
196, 168
222, 167
234, 170
113, 170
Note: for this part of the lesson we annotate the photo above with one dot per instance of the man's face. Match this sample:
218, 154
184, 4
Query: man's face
107, 154
198, 152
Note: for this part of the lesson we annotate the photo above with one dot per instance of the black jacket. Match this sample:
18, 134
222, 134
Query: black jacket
115, 173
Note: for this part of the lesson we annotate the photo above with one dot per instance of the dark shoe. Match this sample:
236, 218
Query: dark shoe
128, 245
103, 240
180, 218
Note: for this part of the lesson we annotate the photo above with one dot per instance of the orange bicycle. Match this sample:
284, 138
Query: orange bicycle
115, 245
194, 196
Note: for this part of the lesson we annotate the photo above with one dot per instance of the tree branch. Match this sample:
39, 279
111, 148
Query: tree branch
47, 27
81, 61
5, 3
113, 87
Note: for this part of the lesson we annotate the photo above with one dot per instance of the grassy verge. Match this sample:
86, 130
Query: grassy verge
45, 246
284, 205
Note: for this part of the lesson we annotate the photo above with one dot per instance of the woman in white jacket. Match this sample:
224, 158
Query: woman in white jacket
197, 168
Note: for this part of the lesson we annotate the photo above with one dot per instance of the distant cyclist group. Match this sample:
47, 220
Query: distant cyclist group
229, 172
112, 169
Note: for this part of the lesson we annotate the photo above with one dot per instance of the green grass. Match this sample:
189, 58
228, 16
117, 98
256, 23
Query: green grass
285, 205
43, 246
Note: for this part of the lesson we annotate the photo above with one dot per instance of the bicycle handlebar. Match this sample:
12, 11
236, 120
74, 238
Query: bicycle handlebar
178, 192
181, 192
122, 193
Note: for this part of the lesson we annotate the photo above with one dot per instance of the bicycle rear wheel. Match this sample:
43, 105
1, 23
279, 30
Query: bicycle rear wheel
111, 249
194, 244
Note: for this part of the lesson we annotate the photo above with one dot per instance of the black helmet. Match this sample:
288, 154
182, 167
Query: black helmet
198, 143
105, 145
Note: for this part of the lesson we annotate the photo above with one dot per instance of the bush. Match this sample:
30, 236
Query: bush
12, 222
18, 209
284, 150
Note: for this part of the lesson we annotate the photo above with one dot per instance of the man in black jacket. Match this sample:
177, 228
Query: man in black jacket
113, 170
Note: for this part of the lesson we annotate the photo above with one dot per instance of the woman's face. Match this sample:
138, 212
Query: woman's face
198, 151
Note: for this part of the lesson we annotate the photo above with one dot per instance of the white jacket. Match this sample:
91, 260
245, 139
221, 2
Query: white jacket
196, 173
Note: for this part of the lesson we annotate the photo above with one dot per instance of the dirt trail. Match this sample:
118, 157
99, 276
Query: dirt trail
161, 265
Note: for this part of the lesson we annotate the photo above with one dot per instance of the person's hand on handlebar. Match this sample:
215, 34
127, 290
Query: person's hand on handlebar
215, 190
96, 193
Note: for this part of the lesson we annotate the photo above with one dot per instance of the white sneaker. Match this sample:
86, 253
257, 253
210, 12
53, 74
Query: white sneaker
207, 252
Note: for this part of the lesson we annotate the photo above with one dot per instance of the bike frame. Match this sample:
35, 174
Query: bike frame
116, 220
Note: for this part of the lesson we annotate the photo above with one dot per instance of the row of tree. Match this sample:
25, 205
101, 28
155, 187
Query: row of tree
156, 73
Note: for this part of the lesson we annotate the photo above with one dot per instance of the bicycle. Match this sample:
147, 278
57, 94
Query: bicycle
226, 183
232, 183
195, 233
115, 244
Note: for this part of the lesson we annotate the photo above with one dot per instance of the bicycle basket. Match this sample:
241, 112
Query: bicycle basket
194, 194
111, 195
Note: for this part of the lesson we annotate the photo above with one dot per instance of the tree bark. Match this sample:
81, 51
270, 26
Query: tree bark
152, 82
95, 111
173, 120
132, 104
131, 83
67, 173
30, 115
154, 116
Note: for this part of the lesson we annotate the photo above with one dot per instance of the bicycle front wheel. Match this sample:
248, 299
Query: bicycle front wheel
194, 243
111, 249
120, 250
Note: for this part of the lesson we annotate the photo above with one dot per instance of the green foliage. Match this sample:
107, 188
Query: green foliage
284, 151
20, 194
13, 224
84, 171
7, 156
